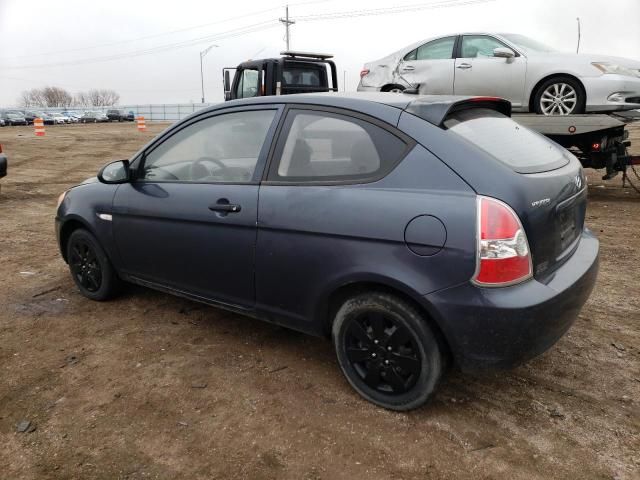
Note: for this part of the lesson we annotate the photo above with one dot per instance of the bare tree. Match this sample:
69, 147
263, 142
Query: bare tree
56, 97
103, 97
82, 100
59, 97
32, 98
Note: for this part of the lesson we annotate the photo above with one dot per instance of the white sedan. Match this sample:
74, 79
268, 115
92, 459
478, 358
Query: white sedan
59, 118
532, 76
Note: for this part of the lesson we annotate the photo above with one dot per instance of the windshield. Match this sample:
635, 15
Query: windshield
524, 150
528, 43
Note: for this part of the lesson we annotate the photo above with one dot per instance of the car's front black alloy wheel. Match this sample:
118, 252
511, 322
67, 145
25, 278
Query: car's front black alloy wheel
387, 350
85, 266
90, 268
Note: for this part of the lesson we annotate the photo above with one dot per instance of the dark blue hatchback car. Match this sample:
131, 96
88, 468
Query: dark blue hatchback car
412, 230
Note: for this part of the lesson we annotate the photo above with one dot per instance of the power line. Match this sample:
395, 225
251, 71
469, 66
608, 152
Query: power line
162, 34
287, 23
260, 26
159, 49
389, 10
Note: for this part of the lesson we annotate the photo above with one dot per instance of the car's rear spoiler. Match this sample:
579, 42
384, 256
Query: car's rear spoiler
435, 109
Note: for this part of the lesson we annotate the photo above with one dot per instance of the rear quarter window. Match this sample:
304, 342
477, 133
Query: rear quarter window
330, 147
522, 149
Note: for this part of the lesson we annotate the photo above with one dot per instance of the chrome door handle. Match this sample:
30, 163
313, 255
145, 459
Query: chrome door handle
408, 68
464, 66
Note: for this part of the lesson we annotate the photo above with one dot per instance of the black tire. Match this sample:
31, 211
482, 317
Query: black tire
580, 97
90, 268
400, 369
393, 88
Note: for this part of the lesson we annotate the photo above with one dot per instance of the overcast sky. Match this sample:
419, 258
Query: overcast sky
58, 42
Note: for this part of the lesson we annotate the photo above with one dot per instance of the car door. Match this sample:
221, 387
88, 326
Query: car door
431, 66
479, 72
188, 220
311, 210
248, 84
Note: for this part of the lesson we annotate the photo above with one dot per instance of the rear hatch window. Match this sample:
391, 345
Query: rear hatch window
299, 77
524, 150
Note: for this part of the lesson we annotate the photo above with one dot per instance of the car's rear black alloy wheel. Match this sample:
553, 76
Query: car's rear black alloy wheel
383, 353
386, 350
85, 266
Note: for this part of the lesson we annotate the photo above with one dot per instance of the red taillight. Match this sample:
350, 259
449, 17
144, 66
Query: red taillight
503, 250
364, 72
595, 147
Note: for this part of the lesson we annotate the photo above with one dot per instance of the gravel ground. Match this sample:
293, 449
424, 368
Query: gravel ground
153, 386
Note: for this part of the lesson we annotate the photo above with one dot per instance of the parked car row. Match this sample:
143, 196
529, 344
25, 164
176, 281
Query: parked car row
27, 117
115, 115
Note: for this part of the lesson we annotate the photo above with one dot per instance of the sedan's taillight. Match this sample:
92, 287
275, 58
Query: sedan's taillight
503, 253
364, 72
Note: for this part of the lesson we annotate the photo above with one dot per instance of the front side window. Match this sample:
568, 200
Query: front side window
220, 149
479, 46
248, 84
441, 49
323, 146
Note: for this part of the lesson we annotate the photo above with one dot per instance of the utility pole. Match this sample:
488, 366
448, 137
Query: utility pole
202, 54
286, 22
578, 46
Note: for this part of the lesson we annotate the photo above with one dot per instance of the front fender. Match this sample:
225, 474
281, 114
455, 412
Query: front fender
80, 208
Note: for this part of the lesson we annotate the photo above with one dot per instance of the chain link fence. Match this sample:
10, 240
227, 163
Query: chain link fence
158, 112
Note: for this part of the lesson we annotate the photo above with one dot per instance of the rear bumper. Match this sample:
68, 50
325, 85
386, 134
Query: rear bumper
600, 88
495, 328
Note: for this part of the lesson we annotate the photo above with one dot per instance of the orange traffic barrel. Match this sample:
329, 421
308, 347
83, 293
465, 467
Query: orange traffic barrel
38, 125
142, 127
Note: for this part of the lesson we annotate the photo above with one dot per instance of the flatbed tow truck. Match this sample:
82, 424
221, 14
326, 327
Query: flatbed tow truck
599, 141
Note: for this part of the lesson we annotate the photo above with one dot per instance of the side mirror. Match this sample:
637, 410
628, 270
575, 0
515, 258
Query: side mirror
227, 85
503, 52
115, 172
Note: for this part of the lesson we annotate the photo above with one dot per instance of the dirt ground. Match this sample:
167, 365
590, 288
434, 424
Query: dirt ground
153, 386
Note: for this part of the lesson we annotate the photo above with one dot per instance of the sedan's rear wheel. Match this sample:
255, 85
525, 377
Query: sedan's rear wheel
559, 96
393, 89
90, 268
387, 351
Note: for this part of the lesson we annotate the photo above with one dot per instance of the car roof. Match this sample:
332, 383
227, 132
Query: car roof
337, 99
432, 108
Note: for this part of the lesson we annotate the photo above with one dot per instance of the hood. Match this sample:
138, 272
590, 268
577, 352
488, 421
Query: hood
88, 181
